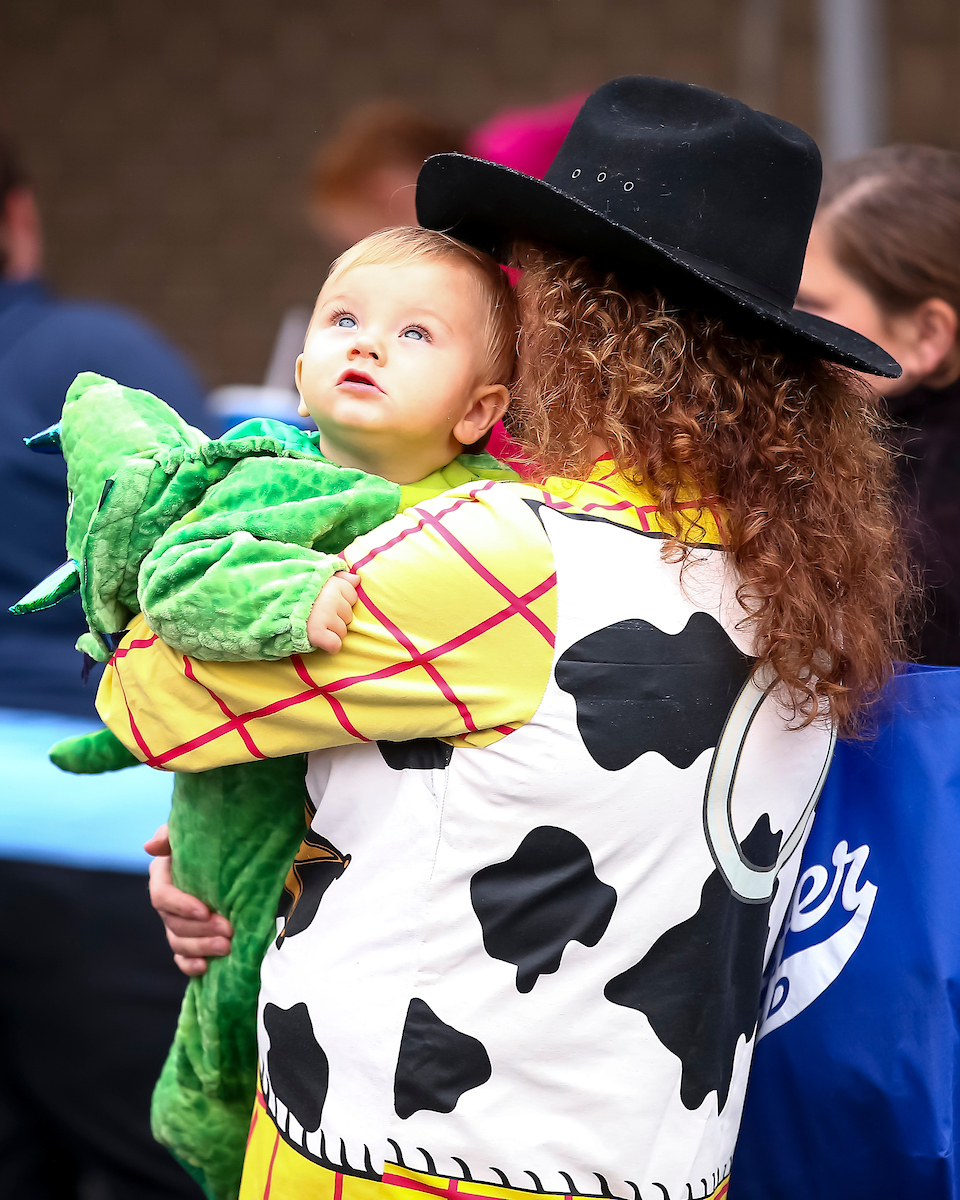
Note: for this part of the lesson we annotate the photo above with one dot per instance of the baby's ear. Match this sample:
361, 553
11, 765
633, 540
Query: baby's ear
302, 406
490, 402
500, 397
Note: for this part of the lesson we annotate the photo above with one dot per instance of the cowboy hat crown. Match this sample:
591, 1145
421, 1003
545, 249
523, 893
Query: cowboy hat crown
673, 185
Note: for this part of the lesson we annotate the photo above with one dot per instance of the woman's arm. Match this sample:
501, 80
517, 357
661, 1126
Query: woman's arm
452, 637
194, 933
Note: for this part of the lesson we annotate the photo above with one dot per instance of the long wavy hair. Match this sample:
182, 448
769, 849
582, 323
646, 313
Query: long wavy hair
790, 446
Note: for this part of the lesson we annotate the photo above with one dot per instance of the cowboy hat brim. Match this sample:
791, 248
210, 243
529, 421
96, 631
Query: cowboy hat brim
489, 206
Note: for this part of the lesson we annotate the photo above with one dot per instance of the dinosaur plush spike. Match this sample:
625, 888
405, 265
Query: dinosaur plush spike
47, 441
59, 584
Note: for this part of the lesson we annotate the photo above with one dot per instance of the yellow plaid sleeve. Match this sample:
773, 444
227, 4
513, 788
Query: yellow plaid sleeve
452, 637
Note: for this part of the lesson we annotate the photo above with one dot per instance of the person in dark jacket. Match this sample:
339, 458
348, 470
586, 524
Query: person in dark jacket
87, 1011
884, 259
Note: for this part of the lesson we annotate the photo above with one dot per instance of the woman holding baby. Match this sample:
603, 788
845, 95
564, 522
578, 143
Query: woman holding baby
566, 757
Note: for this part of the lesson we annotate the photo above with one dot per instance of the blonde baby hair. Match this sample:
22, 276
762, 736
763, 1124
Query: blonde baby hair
405, 244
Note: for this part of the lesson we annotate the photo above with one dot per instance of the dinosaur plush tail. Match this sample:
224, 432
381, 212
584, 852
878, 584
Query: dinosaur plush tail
202, 1122
92, 754
234, 831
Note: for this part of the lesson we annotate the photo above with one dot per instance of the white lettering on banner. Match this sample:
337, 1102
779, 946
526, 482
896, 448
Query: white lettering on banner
795, 981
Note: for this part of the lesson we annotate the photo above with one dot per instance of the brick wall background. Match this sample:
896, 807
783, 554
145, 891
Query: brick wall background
169, 140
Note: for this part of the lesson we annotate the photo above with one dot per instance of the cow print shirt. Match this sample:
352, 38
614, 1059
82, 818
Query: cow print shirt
541, 884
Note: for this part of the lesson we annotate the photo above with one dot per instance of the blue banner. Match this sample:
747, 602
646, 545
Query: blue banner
855, 1088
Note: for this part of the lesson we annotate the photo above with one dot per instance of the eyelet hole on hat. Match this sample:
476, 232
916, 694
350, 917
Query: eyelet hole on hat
601, 177
575, 174
628, 186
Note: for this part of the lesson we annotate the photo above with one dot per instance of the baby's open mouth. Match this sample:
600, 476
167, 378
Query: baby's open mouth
358, 379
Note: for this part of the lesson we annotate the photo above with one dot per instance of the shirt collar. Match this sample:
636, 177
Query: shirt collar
609, 493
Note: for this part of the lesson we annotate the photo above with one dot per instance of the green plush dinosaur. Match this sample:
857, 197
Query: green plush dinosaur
223, 544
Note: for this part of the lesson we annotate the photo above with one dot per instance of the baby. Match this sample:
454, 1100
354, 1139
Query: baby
405, 363
226, 545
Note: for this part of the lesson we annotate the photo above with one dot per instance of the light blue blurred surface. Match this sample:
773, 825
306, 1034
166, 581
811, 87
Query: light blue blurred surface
48, 815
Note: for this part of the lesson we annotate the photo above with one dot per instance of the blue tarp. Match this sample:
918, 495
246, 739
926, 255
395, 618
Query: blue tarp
856, 1079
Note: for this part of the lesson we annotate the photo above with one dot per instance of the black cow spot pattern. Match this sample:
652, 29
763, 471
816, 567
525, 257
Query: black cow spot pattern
699, 984
436, 1065
638, 689
317, 865
419, 754
545, 896
298, 1068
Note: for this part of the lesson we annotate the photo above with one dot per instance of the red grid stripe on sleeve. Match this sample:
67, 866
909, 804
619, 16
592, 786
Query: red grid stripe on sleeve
488, 577
137, 735
338, 710
418, 528
136, 644
445, 689
227, 712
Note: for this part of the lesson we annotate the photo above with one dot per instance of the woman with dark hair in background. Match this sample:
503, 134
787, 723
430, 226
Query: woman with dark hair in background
884, 259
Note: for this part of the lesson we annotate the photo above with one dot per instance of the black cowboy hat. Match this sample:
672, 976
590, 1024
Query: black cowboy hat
672, 184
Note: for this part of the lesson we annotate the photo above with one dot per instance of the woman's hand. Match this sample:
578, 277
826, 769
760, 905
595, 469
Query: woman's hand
194, 933
332, 612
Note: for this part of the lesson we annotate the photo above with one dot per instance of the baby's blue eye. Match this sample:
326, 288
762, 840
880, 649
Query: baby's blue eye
346, 323
417, 334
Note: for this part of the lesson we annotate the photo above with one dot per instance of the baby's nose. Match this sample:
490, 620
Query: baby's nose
364, 348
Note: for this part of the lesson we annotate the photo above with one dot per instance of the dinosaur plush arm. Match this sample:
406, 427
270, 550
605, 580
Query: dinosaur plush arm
236, 598
234, 581
143, 483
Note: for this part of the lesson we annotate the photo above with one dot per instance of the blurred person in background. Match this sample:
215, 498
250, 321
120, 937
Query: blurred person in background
88, 1010
884, 259
526, 139
363, 178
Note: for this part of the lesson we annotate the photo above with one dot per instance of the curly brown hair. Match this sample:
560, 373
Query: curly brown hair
790, 446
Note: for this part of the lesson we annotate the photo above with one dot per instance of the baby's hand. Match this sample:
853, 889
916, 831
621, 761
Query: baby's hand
332, 612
